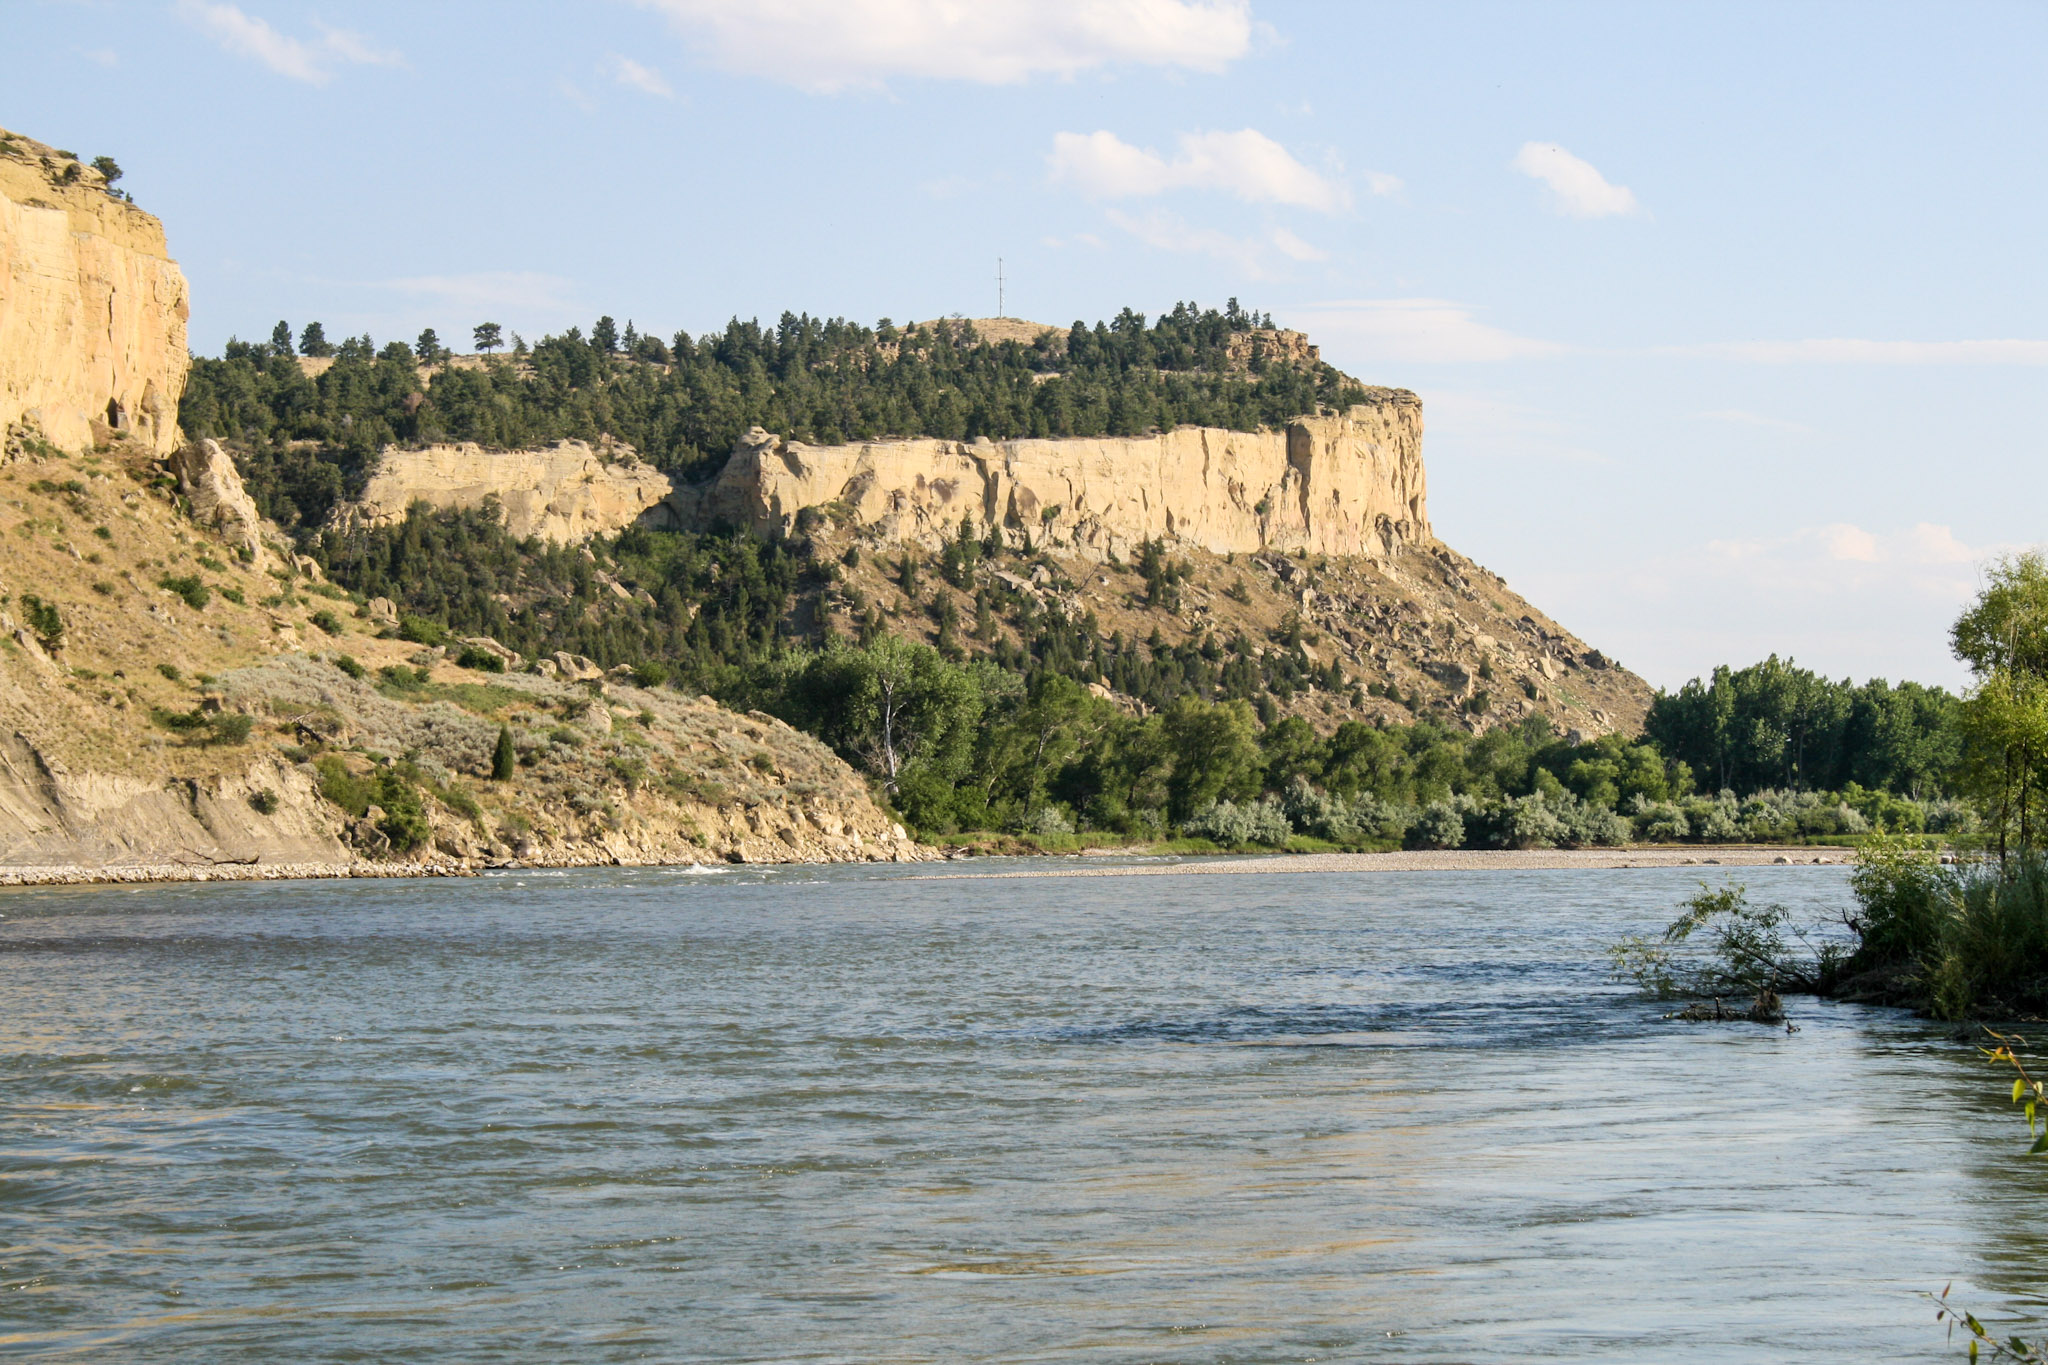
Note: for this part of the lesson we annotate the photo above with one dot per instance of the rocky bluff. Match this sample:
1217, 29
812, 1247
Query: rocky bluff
92, 308
1348, 483
1335, 484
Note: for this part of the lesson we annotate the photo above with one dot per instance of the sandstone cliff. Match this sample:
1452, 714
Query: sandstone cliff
1346, 484
565, 493
92, 309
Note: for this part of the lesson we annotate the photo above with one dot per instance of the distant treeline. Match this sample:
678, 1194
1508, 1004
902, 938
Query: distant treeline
303, 442
983, 732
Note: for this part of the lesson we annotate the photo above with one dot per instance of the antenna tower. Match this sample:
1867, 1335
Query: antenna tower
999, 288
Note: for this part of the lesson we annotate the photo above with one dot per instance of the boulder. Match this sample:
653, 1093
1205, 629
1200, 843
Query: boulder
509, 658
574, 667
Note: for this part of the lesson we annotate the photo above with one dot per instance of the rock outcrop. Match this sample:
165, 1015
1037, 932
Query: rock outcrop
212, 488
269, 813
92, 308
1345, 484
565, 493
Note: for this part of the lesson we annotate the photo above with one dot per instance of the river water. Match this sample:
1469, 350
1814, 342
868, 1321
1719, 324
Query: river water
878, 1114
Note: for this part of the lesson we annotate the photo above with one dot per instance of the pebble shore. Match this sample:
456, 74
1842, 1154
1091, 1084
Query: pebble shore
1491, 860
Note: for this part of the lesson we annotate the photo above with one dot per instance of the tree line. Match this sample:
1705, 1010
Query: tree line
304, 441
1006, 729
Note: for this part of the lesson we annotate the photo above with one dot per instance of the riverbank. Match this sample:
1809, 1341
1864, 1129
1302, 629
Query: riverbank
1447, 860
1450, 860
450, 867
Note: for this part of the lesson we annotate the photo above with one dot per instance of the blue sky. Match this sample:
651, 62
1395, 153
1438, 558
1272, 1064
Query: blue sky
1728, 319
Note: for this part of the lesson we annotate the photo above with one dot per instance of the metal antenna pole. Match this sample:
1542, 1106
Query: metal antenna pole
999, 288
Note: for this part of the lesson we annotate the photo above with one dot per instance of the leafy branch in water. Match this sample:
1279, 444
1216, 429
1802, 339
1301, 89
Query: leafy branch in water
1747, 949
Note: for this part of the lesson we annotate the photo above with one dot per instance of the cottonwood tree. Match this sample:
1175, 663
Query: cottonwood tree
2004, 640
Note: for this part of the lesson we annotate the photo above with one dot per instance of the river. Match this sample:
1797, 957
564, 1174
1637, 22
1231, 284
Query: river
879, 1114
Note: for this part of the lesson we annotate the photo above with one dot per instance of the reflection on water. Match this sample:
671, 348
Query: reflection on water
854, 1114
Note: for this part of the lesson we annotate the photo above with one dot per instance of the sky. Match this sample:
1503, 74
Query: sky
1730, 321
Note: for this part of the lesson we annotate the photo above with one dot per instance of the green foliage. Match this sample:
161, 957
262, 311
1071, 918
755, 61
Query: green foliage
421, 631
327, 621
504, 759
347, 664
170, 671
482, 660
2003, 637
405, 818
648, 673
44, 619
188, 586
263, 801
205, 727
1775, 724
1746, 950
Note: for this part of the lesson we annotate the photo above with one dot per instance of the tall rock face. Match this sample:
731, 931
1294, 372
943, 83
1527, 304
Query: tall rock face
92, 308
565, 493
1344, 484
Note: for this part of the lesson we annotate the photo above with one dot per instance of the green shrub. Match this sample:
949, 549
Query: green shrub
342, 788
404, 679
170, 671
263, 801
233, 595
347, 664
482, 660
218, 727
43, 619
327, 621
420, 631
405, 817
649, 674
209, 562
503, 758
103, 588
189, 587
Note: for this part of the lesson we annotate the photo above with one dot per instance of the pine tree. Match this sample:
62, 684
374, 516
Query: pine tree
281, 338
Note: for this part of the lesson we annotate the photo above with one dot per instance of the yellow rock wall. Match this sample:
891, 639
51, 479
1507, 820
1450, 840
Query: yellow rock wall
1344, 484
566, 493
92, 308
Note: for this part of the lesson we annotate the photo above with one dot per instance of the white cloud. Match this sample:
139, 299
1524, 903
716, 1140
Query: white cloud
1294, 248
1246, 163
1855, 351
1577, 190
1253, 255
100, 56
631, 74
1419, 331
1925, 545
830, 45
245, 35
1388, 186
